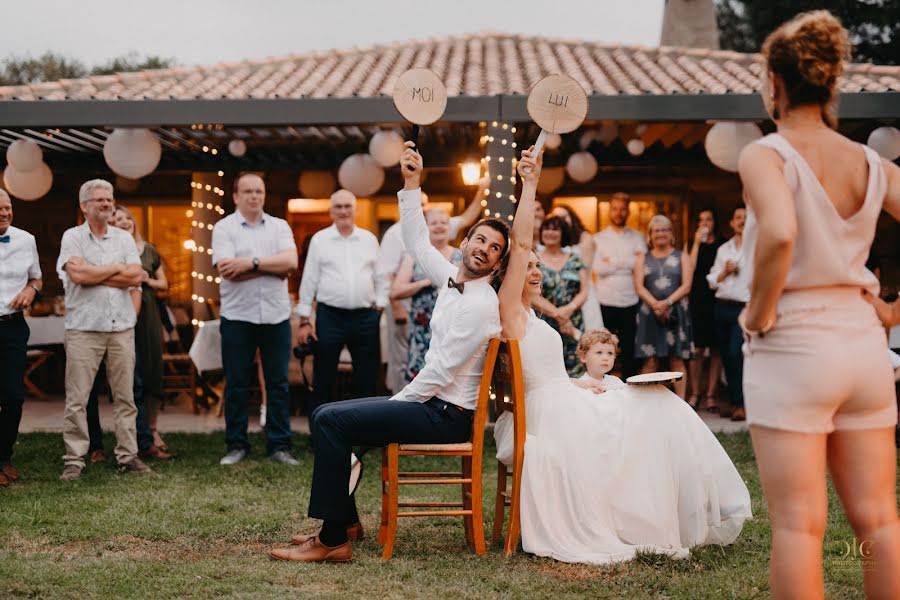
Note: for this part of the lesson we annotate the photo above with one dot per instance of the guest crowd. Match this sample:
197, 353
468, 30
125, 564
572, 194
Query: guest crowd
670, 308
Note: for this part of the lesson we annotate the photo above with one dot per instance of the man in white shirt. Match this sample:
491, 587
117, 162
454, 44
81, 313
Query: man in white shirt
100, 268
437, 406
340, 276
396, 348
20, 282
730, 278
253, 253
617, 249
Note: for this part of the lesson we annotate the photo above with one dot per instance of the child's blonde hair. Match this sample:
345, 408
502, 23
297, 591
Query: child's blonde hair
596, 336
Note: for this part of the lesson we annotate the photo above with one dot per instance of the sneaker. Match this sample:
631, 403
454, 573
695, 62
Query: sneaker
233, 457
135, 465
71, 473
98, 456
283, 456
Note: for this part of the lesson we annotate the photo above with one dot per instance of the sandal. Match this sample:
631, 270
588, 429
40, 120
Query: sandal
158, 441
710, 404
693, 401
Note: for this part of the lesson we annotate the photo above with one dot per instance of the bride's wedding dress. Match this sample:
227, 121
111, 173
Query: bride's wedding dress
608, 475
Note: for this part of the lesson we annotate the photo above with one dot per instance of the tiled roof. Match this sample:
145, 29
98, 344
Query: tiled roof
486, 64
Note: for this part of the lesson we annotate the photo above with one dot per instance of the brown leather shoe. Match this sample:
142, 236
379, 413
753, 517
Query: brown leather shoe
11, 472
355, 533
312, 550
98, 456
4, 480
157, 453
739, 414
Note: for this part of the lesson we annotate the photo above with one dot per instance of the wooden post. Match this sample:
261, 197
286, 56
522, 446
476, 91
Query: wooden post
206, 202
500, 152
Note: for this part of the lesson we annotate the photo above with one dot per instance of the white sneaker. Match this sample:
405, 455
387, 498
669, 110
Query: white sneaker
233, 457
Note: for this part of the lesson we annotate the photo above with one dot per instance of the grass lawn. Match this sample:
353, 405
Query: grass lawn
194, 529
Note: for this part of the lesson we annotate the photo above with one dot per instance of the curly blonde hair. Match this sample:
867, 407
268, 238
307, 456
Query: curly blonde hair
808, 54
593, 337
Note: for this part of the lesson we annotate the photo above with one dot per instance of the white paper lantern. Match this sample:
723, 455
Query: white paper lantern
886, 142
24, 155
725, 140
386, 147
237, 148
28, 185
582, 166
553, 141
608, 133
132, 153
635, 146
316, 184
361, 174
551, 179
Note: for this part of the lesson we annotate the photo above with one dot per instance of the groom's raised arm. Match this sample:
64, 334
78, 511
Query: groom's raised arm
412, 221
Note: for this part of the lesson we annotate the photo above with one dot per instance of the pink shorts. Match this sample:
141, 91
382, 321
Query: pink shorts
823, 367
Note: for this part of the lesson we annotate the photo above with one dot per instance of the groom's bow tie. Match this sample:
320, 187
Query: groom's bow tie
459, 286
4, 239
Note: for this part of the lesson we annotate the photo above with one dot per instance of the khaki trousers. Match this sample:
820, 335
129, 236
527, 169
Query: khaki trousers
84, 351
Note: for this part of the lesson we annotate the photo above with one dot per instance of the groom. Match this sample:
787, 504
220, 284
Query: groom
437, 406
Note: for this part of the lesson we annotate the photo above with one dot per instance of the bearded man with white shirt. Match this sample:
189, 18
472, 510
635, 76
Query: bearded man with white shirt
437, 406
730, 278
340, 276
617, 249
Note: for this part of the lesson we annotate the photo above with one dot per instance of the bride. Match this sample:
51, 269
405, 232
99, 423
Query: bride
605, 474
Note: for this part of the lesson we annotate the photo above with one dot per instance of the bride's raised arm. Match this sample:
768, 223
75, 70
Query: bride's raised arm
512, 313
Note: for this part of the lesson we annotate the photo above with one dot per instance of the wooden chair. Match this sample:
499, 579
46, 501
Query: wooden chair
179, 374
470, 508
34, 359
509, 396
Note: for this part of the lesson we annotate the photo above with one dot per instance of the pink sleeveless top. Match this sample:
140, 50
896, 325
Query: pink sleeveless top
829, 250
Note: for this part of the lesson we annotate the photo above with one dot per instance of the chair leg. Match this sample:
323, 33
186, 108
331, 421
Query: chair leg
393, 459
467, 499
476, 503
382, 531
512, 527
499, 504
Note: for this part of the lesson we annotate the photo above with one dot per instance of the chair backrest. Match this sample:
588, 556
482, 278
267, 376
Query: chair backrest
509, 389
484, 396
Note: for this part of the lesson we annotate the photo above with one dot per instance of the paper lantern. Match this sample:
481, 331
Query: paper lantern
553, 141
635, 147
361, 174
608, 133
582, 166
237, 148
127, 185
132, 153
24, 155
386, 147
886, 142
551, 179
316, 184
28, 185
725, 140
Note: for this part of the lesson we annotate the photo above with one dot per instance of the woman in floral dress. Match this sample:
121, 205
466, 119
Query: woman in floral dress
410, 282
662, 280
564, 289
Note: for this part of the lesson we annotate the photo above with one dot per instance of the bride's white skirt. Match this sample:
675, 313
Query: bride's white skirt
632, 469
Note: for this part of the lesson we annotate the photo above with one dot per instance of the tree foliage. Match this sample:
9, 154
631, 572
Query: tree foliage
874, 25
18, 70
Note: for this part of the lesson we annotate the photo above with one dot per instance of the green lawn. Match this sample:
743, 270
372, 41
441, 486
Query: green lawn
194, 529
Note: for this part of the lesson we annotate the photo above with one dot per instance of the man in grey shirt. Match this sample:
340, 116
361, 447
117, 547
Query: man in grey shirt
101, 271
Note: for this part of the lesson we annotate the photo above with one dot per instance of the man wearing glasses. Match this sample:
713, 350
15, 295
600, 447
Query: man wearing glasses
99, 267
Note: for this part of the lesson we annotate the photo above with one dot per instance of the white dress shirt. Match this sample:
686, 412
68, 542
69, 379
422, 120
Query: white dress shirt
614, 258
735, 287
19, 263
340, 271
462, 324
262, 300
97, 307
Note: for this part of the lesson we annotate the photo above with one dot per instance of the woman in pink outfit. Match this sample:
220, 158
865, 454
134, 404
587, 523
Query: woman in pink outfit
818, 385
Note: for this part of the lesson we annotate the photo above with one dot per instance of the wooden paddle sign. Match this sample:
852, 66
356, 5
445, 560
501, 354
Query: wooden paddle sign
420, 97
558, 104
655, 378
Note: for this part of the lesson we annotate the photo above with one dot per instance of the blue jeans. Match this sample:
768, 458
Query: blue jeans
731, 339
240, 341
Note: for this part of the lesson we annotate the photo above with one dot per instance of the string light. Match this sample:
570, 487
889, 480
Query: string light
198, 226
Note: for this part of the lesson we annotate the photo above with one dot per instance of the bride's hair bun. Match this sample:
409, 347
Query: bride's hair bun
808, 54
